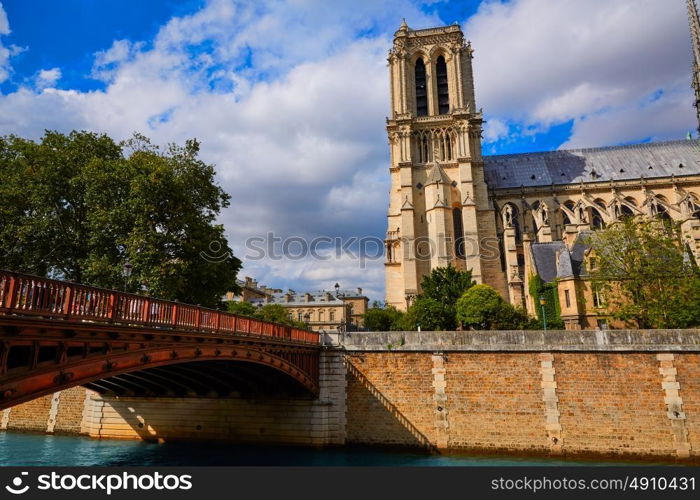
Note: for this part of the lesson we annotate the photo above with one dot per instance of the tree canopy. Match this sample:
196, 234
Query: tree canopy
434, 309
646, 273
482, 307
382, 319
80, 206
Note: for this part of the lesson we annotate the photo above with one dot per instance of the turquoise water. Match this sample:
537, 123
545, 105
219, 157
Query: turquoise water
47, 450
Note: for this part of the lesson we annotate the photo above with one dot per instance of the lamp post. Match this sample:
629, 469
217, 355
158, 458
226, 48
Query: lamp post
341, 296
126, 272
543, 302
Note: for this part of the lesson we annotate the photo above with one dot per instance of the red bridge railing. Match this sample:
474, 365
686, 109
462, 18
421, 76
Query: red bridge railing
26, 295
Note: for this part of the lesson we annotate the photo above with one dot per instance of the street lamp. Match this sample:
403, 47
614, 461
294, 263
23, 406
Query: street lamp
341, 296
126, 272
543, 302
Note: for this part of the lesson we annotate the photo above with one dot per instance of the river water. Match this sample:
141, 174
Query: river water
49, 450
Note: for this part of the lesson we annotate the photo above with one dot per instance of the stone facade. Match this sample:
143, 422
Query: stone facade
322, 310
450, 205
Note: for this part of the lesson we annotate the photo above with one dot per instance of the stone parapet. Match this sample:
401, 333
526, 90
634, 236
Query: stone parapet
529, 340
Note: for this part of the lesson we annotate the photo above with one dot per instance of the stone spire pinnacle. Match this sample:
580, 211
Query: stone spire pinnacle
694, 20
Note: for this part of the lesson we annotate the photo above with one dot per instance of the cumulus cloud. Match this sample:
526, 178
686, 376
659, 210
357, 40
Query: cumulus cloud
5, 52
543, 63
47, 78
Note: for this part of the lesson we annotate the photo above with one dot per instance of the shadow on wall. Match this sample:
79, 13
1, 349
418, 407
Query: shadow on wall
382, 420
233, 401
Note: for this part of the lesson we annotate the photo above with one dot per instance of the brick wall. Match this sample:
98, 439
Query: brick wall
612, 403
69, 414
495, 401
31, 416
390, 398
603, 404
688, 367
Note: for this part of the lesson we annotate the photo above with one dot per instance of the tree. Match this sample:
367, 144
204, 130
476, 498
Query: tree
80, 206
382, 319
482, 307
429, 314
434, 309
646, 274
446, 284
277, 313
241, 308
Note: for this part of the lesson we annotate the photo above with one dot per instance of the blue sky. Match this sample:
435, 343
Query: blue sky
289, 98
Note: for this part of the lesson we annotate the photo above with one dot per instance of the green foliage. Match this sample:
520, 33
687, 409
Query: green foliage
80, 206
434, 309
446, 284
482, 307
383, 319
430, 314
646, 274
538, 288
277, 314
241, 308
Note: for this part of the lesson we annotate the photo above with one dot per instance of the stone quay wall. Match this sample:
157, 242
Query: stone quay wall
618, 393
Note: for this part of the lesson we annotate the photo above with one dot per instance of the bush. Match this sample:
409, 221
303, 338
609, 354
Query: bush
383, 319
241, 308
430, 314
481, 307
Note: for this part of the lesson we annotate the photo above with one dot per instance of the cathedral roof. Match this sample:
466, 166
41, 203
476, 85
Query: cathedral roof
555, 260
649, 160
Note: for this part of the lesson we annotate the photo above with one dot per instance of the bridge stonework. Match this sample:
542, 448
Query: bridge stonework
618, 394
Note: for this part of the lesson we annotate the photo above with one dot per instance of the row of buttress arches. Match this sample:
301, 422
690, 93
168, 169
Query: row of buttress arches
595, 212
434, 145
422, 74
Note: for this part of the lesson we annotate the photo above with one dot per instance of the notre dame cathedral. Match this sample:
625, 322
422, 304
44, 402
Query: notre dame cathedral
511, 217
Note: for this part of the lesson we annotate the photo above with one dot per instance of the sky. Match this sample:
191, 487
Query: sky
289, 99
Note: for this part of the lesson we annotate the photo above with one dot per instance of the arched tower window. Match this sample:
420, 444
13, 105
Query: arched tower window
421, 89
459, 233
442, 90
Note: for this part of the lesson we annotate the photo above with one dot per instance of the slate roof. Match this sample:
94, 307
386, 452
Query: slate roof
319, 297
545, 257
655, 159
554, 260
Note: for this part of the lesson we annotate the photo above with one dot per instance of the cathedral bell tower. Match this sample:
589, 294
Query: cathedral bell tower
439, 208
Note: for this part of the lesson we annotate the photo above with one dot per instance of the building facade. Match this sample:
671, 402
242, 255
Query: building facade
510, 218
340, 310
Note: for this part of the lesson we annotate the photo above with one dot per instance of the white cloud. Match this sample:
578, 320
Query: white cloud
541, 63
47, 78
5, 53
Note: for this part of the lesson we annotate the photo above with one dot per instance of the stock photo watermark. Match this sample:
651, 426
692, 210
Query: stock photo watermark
359, 249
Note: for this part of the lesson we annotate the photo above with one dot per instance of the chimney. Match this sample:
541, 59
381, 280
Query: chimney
359, 291
248, 281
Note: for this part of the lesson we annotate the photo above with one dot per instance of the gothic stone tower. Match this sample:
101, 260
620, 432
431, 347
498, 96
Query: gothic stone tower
439, 208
